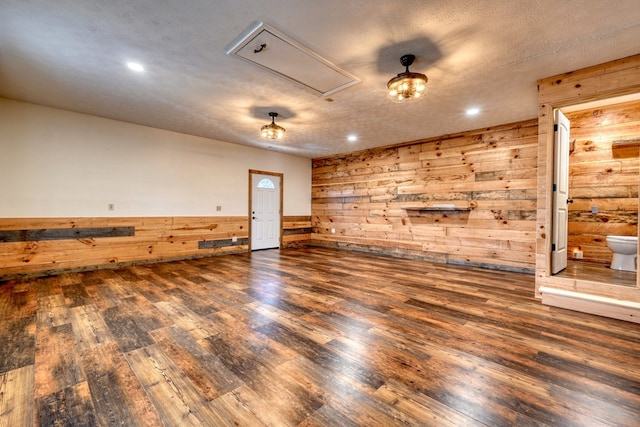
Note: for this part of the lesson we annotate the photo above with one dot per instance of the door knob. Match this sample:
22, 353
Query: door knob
253, 217
569, 201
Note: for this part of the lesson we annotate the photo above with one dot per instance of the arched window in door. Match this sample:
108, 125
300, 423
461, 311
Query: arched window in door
266, 183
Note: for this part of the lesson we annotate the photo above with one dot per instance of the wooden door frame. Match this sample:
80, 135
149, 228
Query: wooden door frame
260, 172
597, 83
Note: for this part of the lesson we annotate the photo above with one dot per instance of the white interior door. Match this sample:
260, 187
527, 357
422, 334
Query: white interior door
560, 216
265, 211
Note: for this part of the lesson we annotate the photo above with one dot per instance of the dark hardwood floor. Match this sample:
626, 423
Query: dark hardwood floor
308, 337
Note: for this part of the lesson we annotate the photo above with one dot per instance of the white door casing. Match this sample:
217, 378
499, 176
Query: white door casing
560, 199
265, 211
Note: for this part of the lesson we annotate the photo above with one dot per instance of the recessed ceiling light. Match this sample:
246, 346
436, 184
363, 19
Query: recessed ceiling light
135, 66
473, 111
352, 138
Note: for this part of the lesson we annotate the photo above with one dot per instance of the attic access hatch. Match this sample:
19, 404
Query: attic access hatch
276, 53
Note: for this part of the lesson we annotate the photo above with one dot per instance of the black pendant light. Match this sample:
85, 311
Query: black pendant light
407, 86
272, 130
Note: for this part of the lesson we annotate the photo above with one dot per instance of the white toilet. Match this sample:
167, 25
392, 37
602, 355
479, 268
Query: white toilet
625, 249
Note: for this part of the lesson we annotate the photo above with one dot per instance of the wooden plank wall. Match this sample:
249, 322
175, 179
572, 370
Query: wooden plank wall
154, 239
296, 230
603, 173
378, 200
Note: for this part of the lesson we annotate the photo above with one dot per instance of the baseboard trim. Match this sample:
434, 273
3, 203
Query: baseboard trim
592, 304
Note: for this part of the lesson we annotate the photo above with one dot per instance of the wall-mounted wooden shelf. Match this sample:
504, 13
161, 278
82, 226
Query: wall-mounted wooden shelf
442, 209
633, 142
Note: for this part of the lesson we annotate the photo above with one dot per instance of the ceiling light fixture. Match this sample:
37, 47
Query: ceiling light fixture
135, 66
406, 86
272, 130
473, 111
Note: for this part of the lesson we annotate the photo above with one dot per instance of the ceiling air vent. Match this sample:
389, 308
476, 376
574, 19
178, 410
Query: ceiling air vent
272, 51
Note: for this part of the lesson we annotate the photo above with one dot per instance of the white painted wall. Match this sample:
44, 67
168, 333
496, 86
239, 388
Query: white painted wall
56, 163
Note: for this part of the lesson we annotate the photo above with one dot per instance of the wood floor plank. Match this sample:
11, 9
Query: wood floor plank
57, 363
294, 402
125, 329
150, 291
17, 343
89, 327
314, 333
207, 373
344, 401
52, 311
19, 300
309, 336
103, 295
579, 353
429, 411
75, 295
71, 406
174, 396
118, 286
16, 397
131, 321
324, 356
244, 407
242, 319
198, 327
191, 299
147, 315
112, 383
453, 381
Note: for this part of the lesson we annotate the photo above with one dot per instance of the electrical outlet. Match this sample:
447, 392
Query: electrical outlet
594, 210
111, 206
333, 231
218, 208
234, 239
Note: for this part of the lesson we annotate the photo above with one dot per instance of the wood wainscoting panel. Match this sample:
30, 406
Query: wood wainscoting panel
88, 243
296, 230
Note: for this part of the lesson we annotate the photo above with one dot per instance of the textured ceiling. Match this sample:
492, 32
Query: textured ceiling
70, 54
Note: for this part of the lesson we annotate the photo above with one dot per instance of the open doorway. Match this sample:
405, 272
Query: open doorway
608, 84
603, 168
265, 209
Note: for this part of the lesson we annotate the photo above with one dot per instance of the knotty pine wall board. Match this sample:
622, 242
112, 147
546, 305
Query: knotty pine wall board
615, 78
365, 197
